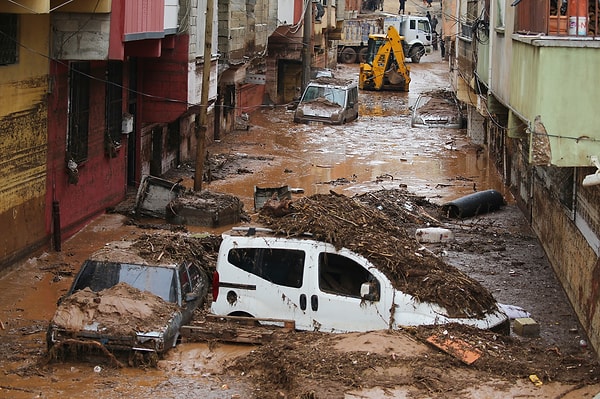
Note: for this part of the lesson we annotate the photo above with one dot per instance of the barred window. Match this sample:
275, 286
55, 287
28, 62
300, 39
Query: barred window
8, 39
79, 111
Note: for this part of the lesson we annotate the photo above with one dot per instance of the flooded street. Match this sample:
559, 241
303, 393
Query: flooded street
379, 150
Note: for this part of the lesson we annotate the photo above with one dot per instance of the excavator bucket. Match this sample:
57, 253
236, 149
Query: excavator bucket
394, 77
397, 79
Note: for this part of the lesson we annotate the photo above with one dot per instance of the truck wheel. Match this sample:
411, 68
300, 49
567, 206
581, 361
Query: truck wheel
416, 53
362, 55
348, 56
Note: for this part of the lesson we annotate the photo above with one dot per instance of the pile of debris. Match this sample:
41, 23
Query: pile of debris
348, 222
179, 247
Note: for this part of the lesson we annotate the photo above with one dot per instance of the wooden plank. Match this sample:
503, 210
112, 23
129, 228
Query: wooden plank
227, 333
456, 347
287, 325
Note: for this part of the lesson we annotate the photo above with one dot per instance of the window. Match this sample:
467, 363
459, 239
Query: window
467, 18
8, 39
343, 276
424, 26
500, 5
279, 266
562, 18
114, 102
79, 111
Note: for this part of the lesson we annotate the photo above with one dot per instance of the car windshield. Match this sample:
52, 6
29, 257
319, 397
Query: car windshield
160, 281
331, 94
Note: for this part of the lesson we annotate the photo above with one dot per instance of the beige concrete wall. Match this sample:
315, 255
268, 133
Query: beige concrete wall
575, 263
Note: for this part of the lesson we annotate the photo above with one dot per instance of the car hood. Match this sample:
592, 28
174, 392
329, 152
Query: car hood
120, 311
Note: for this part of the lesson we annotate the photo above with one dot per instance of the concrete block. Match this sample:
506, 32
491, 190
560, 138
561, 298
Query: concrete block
526, 327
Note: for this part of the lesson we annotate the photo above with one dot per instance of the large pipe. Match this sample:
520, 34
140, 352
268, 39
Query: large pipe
474, 204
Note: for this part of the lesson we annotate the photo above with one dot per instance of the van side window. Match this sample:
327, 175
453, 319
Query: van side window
341, 275
279, 266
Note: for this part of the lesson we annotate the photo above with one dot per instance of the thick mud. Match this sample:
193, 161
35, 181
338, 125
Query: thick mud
379, 150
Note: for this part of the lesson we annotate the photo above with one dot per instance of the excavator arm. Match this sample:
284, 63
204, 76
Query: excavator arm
384, 68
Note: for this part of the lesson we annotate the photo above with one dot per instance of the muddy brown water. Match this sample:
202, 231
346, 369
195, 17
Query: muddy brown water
379, 150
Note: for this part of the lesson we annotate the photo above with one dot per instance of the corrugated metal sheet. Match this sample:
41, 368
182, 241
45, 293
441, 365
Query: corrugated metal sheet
144, 16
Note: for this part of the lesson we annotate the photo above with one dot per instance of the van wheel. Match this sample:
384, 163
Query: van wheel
416, 53
348, 55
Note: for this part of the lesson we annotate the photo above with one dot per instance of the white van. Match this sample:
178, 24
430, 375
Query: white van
320, 288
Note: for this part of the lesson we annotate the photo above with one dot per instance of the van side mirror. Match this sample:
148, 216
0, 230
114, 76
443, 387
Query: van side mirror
369, 291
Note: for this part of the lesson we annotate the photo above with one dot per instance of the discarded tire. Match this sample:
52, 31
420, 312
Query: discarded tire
474, 204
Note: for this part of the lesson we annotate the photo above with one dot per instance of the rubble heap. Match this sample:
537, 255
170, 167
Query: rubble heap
347, 222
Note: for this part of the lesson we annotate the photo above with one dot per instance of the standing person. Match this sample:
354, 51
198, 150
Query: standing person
434, 22
401, 10
428, 15
429, 3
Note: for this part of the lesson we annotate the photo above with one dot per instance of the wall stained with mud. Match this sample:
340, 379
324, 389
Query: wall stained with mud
574, 262
22, 187
23, 141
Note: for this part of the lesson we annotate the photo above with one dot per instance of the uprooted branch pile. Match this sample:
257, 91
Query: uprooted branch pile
178, 248
347, 222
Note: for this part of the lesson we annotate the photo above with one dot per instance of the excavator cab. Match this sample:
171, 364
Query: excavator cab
384, 67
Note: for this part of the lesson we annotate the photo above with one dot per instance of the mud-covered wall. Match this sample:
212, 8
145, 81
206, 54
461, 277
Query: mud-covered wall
23, 141
567, 230
575, 263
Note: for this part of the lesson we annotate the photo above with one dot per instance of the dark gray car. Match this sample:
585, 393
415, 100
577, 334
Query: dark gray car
120, 302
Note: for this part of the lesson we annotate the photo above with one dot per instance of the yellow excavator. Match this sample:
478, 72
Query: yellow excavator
384, 67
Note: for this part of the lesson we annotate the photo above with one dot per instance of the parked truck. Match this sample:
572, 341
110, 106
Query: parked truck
416, 32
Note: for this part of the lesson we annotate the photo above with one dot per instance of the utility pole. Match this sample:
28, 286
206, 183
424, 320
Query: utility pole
203, 116
306, 44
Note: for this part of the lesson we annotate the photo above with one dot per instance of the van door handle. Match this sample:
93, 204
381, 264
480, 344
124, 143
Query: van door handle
303, 302
314, 302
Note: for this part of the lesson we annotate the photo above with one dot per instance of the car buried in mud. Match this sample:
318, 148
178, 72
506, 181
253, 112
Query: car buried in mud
120, 302
328, 100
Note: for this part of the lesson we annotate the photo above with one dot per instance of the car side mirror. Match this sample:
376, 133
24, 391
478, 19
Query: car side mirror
191, 297
369, 291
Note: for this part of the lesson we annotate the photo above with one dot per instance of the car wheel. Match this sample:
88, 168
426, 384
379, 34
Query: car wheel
348, 56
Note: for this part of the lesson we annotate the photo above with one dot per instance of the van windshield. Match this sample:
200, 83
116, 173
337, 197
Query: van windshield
332, 94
